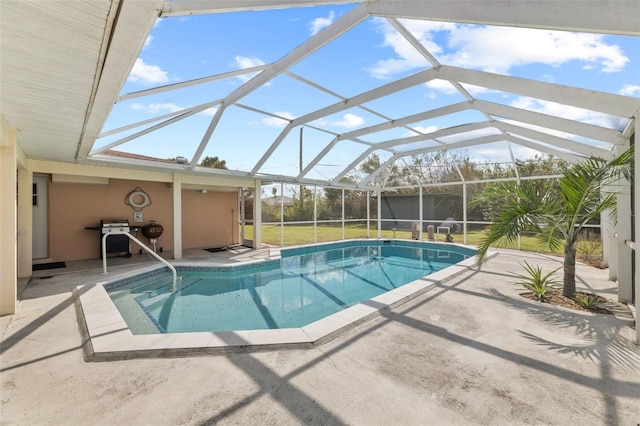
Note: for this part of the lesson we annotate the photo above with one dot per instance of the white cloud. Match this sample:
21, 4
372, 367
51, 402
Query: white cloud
498, 49
349, 121
499, 153
469, 135
210, 111
147, 74
446, 87
443, 86
319, 24
157, 107
245, 62
421, 129
320, 122
630, 90
407, 57
494, 49
277, 122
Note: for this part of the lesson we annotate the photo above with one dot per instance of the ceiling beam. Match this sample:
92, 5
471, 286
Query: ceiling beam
353, 164
567, 156
608, 17
449, 131
342, 25
377, 93
380, 169
549, 121
622, 106
181, 113
207, 135
355, 101
401, 122
564, 143
333, 31
194, 82
395, 142
457, 145
415, 118
200, 7
317, 158
440, 133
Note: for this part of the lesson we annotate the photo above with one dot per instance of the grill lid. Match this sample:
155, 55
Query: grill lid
109, 225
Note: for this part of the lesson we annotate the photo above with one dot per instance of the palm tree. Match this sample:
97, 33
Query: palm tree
214, 163
557, 217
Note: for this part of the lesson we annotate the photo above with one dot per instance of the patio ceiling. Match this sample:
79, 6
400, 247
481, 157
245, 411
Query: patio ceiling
59, 92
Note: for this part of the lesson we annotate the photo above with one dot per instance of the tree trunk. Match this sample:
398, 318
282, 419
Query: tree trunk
569, 282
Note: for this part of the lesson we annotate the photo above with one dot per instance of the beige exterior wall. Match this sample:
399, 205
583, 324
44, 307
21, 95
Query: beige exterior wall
209, 219
8, 219
72, 207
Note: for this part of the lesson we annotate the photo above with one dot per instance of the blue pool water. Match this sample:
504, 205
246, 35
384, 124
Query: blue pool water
305, 285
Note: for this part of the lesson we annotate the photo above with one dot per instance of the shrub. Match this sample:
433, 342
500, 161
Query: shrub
588, 302
536, 282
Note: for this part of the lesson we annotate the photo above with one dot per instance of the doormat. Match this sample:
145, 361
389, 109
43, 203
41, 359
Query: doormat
52, 265
215, 249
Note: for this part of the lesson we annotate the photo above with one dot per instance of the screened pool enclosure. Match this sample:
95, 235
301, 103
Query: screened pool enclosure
343, 119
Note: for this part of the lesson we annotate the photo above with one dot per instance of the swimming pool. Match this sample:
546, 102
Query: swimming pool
303, 286
110, 336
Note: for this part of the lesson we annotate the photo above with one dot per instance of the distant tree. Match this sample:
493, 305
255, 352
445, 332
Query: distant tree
214, 163
332, 207
301, 207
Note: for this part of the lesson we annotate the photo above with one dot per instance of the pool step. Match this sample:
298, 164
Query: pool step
157, 290
152, 298
143, 285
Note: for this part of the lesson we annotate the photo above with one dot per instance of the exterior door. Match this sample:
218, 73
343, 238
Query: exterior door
246, 217
40, 237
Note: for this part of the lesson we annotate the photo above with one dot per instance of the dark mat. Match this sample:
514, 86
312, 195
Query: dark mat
52, 265
215, 249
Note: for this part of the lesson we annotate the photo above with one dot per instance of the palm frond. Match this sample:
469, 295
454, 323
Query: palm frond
552, 237
556, 216
525, 214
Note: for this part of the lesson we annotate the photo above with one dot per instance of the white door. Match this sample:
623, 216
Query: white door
40, 239
246, 217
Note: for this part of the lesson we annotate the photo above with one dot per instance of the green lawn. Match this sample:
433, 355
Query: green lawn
303, 234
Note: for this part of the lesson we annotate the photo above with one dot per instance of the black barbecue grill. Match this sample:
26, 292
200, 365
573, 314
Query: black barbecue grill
118, 242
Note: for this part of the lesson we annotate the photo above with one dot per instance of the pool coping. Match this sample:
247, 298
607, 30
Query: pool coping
108, 337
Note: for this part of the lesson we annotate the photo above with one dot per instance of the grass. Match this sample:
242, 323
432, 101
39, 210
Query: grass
304, 234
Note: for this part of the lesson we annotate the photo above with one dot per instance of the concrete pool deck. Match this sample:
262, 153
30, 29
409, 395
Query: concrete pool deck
469, 351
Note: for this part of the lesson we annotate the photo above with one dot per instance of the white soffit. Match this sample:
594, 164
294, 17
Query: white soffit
51, 52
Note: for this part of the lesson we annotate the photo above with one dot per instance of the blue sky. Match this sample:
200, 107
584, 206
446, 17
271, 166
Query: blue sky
371, 54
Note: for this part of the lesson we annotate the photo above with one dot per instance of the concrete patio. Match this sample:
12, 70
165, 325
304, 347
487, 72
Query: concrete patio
471, 351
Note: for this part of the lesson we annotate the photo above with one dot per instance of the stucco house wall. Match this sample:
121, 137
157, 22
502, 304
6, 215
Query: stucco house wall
72, 207
209, 219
